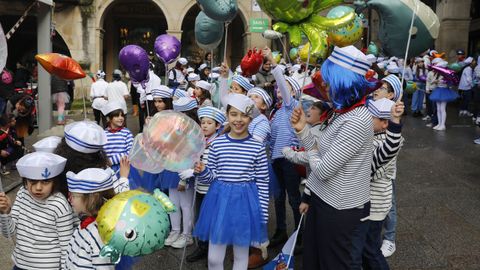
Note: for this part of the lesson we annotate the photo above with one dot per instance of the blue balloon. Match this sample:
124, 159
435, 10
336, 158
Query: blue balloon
220, 10
208, 32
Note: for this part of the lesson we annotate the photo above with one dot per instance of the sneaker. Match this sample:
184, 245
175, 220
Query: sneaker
426, 118
441, 128
477, 141
436, 127
182, 241
388, 248
429, 125
256, 258
172, 237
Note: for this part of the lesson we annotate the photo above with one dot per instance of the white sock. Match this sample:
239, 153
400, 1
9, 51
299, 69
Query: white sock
216, 256
443, 107
175, 217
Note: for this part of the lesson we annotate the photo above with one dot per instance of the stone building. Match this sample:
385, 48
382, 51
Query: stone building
93, 31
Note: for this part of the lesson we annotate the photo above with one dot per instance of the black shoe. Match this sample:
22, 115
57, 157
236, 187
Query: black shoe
278, 238
198, 254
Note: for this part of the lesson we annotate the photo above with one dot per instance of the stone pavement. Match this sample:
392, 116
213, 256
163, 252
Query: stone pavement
438, 191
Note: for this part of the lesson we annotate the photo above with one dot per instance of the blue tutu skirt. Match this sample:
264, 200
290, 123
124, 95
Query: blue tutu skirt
273, 186
441, 94
231, 215
168, 180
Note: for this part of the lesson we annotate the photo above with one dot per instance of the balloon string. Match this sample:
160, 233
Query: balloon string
408, 43
285, 50
8, 229
225, 45
306, 73
191, 221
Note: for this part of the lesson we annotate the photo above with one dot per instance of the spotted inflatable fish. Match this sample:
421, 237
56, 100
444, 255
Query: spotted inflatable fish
134, 223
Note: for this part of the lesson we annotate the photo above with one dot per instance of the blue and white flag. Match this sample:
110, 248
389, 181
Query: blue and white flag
281, 260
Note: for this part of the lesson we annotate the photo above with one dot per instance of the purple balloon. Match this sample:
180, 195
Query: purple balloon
134, 59
167, 48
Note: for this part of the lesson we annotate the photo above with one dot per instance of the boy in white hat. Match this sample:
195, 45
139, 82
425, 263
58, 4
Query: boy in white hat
117, 90
119, 138
387, 142
176, 76
41, 219
212, 120
89, 190
97, 96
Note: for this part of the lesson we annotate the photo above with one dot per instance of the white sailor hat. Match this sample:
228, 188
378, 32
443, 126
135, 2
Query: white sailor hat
380, 59
265, 96
111, 106
48, 144
190, 70
184, 104
468, 61
396, 84
117, 72
204, 85
213, 113
162, 91
90, 180
179, 93
392, 68
243, 82
216, 69
295, 86
435, 61
193, 77
85, 136
371, 58
243, 104
295, 68
40, 165
214, 76
100, 74
381, 108
202, 67
238, 69
183, 61
350, 58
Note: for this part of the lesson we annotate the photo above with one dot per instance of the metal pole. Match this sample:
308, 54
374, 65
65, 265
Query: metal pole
44, 45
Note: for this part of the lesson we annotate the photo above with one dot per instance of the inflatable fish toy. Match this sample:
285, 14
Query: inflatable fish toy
134, 223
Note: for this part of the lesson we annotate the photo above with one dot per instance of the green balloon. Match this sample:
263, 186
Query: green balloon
293, 53
455, 67
289, 11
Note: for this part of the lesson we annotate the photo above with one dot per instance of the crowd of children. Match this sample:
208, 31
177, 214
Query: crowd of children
257, 135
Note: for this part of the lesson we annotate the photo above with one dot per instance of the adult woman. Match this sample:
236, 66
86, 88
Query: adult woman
264, 78
339, 189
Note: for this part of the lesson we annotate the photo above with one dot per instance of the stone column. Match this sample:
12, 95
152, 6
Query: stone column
454, 16
44, 45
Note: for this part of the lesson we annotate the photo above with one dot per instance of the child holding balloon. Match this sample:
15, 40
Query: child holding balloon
235, 209
212, 120
89, 190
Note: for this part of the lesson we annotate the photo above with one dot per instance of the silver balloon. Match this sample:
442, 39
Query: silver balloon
272, 34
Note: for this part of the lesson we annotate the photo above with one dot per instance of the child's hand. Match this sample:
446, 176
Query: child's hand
303, 208
199, 167
397, 112
298, 119
4, 153
5, 204
19, 143
124, 167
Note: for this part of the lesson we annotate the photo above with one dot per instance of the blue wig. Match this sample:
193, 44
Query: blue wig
346, 86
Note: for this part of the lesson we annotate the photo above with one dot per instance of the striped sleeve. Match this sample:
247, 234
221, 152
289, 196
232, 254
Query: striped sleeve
297, 157
262, 181
8, 221
64, 225
307, 139
208, 175
260, 129
352, 136
389, 148
129, 141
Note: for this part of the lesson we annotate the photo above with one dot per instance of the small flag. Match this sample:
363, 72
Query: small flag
281, 260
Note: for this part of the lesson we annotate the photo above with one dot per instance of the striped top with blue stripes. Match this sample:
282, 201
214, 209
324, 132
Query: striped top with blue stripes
232, 160
260, 128
118, 144
84, 250
283, 134
42, 230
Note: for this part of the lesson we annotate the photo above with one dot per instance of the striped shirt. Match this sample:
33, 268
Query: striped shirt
340, 166
118, 144
43, 230
260, 128
84, 250
386, 148
232, 160
202, 188
283, 134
